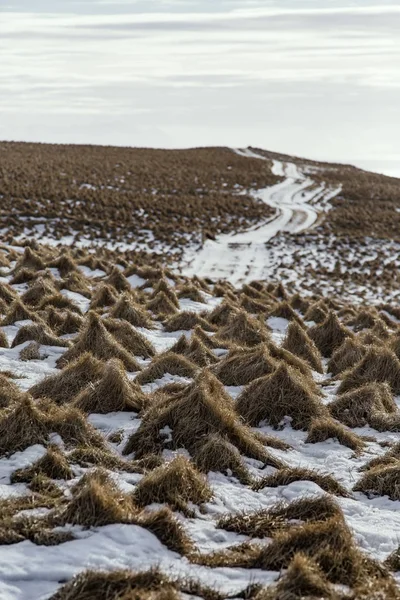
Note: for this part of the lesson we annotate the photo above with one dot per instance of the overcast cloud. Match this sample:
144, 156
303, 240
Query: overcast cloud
316, 78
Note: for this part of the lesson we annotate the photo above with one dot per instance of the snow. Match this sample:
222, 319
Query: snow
241, 257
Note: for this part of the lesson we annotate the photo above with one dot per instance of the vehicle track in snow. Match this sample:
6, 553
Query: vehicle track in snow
239, 257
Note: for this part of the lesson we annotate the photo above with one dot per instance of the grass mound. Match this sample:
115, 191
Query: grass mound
162, 287
222, 313
199, 353
285, 311
103, 295
201, 409
3, 340
168, 529
113, 392
191, 292
240, 367
284, 393
86, 457
378, 365
346, 356
175, 483
59, 301
162, 306
7, 293
207, 340
393, 560
53, 465
70, 423
131, 339
244, 330
364, 405
36, 292
19, 312
302, 580
217, 454
329, 335
96, 502
64, 386
281, 516
39, 333
187, 320
95, 338
381, 481
9, 392
326, 428
71, 323
289, 475
280, 354
22, 425
317, 312
76, 282
298, 342
31, 352
118, 280
169, 362
126, 310
29, 260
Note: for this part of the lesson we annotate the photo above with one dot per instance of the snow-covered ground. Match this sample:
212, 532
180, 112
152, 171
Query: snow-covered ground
240, 257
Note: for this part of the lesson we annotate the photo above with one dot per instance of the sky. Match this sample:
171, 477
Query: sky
315, 78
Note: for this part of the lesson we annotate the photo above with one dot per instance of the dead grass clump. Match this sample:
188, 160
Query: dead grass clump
131, 339
378, 365
65, 264
217, 454
70, 423
328, 542
35, 294
118, 280
170, 363
298, 342
64, 386
381, 481
29, 260
281, 354
9, 392
346, 356
253, 306
163, 287
39, 333
207, 340
31, 352
329, 334
112, 393
201, 409
162, 306
244, 330
167, 529
118, 585
103, 295
53, 465
284, 393
365, 319
187, 320
126, 310
59, 301
86, 457
199, 354
221, 314
176, 483
3, 340
19, 312
191, 292
95, 338
393, 560
302, 580
299, 303
76, 282
289, 475
22, 425
325, 428
317, 312
240, 367
181, 346
96, 502
7, 293
71, 323
285, 311
282, 516
359, 407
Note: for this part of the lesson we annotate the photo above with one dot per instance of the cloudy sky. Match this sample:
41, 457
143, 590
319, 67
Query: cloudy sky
317, 78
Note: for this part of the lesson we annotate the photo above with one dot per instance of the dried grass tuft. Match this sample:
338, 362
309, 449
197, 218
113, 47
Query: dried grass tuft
132, 340
126, 310
381, 481
37, 332
53, 465
349, 353
325, 428
284, 393
169, 362
378, 365
176, 483
217, 454
288, 475
64, 386
95, 338
112, 393
299, 343
9, 392
244, 330
162, 306
364, 406
103, 295
329, 335
187, 320
242, 366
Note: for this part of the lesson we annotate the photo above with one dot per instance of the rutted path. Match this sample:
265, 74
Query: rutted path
240, 257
